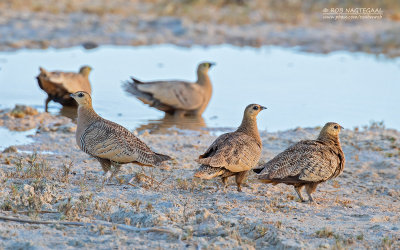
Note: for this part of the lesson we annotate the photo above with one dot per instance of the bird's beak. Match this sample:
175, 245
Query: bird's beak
262, 107
72, 95
211, 64
341, 127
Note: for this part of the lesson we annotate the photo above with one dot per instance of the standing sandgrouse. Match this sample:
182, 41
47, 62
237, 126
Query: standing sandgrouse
307, 163
108, 142
233, 153
179, 98
59, 85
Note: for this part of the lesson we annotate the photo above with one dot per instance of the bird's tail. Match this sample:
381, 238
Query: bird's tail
132, 89
258, 169
160, 158
136, 80
207, 172
43, 71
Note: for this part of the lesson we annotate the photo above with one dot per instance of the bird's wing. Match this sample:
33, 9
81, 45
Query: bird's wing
50, 87
234, 151
108, 140
304, 161
177, 94
71, 82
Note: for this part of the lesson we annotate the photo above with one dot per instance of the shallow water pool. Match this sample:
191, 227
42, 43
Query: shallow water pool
299, 89
9, 138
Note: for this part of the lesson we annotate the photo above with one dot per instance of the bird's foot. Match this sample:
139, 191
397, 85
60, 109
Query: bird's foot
310, 202
223, 189
107, 178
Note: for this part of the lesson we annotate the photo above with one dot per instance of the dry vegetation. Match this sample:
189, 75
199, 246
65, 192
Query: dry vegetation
221, 11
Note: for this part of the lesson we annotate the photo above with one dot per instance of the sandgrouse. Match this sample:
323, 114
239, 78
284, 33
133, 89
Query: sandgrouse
175, 97
59, 85
307, 163
235, 153
108, 142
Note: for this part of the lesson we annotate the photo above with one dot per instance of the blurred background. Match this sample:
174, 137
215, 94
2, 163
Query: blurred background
285, 55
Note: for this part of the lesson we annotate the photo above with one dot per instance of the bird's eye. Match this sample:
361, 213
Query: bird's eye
80, 95
336, 127
255, 107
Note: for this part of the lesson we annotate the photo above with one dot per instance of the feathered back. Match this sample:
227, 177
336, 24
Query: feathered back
307, 161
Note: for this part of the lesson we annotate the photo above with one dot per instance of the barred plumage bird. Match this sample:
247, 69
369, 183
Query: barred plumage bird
233, 154
179, 98
307, 163
59, 85
108, 142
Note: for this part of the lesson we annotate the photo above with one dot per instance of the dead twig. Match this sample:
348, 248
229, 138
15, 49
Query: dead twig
39, 212
161, 182
127, 228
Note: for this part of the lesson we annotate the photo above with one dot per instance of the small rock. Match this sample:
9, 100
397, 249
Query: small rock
145, 133
90, 45
20, 111
68, 128
10, 149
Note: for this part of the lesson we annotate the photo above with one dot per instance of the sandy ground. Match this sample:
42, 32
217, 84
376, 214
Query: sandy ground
47, 23
52, 180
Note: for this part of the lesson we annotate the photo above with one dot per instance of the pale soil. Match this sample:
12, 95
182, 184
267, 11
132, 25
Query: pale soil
359, 209
47, 23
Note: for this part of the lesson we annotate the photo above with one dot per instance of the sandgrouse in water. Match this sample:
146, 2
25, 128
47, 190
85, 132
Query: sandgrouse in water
108, 142
235, 153
175, 97
59, 85
307, 163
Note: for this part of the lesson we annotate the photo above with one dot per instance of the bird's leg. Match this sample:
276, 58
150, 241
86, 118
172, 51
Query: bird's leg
239, 179
105, 164
298, 191
224, 182
46, 104
117, 166
107, 177
310, 188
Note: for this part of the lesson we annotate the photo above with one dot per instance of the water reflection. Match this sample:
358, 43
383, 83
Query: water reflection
299, 89
169, 123
70, 112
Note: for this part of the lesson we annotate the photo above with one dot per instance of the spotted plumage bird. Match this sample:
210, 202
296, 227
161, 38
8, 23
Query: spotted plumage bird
59, 85
108, 142
235, 153
307, 163
179, 98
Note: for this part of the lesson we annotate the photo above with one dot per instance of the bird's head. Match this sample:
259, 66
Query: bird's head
82, 98
85, 70
252, 110
331, 129
204, 67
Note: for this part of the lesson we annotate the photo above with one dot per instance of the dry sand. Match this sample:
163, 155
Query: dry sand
359, 209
